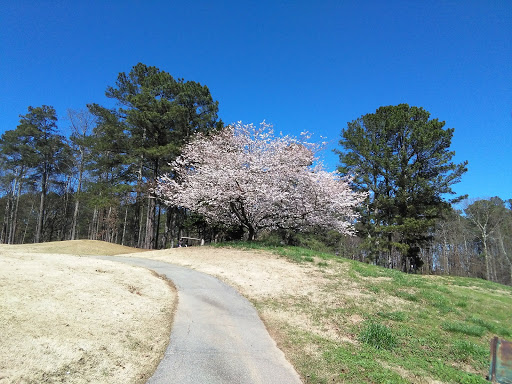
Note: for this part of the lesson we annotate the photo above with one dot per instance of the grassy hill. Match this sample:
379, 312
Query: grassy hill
337, 320
374, 325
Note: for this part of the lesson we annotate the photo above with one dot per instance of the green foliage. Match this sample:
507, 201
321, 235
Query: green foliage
402, 158
35, 153
377, 335
132, 145
160, 113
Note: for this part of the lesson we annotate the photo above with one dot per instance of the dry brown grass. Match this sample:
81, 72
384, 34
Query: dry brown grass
74, 247
291, 298
74, 319
290, 293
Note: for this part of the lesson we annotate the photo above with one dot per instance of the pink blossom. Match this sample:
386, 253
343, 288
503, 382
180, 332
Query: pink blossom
246, 175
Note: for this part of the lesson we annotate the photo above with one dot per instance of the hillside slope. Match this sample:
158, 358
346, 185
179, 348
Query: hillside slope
346, 322
73, 247
336, 320
74, 319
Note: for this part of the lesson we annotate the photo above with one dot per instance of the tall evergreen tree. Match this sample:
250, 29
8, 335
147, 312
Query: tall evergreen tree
403, 158
108, 171
13, 157
159, 113
42, 151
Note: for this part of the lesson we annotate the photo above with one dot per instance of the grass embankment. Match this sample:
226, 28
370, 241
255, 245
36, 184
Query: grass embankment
367, 324
74, 319
71, 319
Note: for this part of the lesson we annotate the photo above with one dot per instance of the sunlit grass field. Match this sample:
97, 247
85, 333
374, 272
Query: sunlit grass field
391, 327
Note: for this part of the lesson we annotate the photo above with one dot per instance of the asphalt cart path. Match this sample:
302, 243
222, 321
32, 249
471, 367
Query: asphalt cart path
217, 335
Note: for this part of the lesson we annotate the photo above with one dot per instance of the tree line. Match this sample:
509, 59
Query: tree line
471, 241
102, 182
97, 183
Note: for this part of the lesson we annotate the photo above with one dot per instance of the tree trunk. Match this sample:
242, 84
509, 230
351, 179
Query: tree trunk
6, 227
150, 240
26, 225
170, 225
139, 213
252, 233
77, 194
488, 270
124, 224
75, 219
93, 226
157, 234
150, 223
12, 234
40, 219
141, 226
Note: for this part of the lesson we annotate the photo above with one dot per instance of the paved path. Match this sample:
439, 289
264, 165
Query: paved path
217, 335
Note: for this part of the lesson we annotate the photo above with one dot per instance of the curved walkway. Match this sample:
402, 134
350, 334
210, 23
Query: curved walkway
217, 335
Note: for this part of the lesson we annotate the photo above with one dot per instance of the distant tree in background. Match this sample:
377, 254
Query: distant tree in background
110, 174
82, 124
491, 223
403, 159
245, 175
35, 147
13, 157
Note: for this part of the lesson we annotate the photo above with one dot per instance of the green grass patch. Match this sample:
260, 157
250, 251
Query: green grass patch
360, 366
395, 316
464, 328
462, 303
438, 332
377, 335
406, 295
437, 300
465, 351
374, 288
297, 254
491, 325
366, 270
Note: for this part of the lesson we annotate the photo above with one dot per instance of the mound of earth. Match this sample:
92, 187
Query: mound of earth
74, 247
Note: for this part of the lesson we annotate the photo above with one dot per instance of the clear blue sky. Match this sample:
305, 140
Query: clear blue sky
300, 65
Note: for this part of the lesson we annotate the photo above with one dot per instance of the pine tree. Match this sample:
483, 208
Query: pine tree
403, 159
159, 114
42, 152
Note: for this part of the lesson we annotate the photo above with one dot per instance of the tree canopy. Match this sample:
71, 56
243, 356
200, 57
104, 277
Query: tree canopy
157, 115
403, 159
36, 149
102, 182
248, 176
